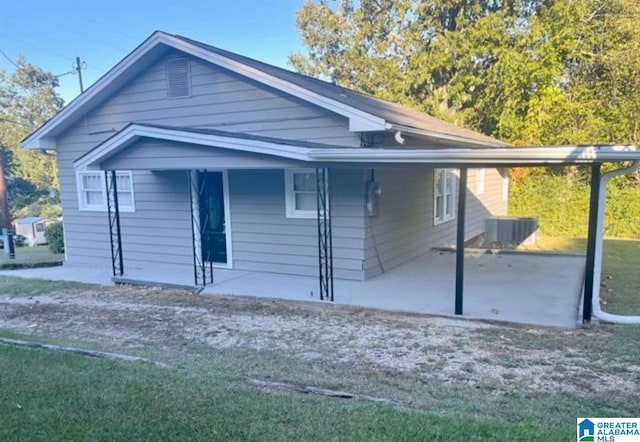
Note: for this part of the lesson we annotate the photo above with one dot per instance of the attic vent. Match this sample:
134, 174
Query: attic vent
178, 78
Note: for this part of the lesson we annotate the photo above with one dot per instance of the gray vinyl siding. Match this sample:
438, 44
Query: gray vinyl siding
404, 227
160, 231
221, 100
264, 239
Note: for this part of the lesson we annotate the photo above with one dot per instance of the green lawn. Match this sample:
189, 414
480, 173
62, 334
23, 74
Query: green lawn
28, 257
202, 395
49, 396
10, 285
620, 274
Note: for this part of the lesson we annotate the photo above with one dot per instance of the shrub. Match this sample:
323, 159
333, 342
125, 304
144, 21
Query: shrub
55, 237
561, 206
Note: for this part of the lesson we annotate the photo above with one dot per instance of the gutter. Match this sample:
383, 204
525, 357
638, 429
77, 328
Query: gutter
456, 156
597, 270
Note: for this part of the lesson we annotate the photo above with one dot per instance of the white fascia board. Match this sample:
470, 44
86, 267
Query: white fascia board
443, 136
524, 156
357, 118
120, 141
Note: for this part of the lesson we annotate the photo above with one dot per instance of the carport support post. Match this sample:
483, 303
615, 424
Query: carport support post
591, 243
462, 204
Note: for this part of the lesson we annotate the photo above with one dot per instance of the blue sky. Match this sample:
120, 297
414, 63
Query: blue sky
51, 33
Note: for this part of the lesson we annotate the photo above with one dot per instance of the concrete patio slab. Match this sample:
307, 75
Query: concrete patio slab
539, 289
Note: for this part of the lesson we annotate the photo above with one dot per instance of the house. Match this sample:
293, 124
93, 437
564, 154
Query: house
586, 430
185, 160
32, 228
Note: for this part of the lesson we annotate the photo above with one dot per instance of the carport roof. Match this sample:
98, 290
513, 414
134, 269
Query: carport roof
316, 153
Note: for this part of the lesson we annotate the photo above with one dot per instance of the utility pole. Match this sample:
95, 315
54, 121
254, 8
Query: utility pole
9, 249
78, 68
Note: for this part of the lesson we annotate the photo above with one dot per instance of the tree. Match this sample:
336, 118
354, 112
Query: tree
526, 71
28, 98
435, 56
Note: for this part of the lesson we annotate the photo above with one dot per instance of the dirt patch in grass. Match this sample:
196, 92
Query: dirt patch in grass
434, 350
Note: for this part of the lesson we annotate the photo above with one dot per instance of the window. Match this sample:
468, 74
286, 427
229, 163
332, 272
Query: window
444, 195
480, 181
124, 183
92, 192
300, 193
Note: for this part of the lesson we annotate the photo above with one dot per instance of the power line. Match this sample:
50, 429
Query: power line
66, 73
73, 71
37, 46
9, 58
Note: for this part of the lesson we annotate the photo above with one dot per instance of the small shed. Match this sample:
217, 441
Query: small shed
32, 228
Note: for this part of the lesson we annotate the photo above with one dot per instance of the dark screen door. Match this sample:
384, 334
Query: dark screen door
212, 216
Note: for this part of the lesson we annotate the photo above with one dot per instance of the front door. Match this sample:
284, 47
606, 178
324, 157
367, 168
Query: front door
212, 217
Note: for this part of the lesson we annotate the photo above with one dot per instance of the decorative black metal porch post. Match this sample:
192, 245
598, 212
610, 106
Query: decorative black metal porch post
194, 226
197, 226
589, 277
325, 236
113, 211
204, 225
462, 205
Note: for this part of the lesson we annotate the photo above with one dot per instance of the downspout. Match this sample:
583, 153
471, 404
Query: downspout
597, 273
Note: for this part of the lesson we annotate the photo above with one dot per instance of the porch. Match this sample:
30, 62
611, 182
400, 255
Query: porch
528, 288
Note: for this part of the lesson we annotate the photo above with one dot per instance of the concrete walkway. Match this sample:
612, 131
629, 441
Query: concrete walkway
88, 275
541, 289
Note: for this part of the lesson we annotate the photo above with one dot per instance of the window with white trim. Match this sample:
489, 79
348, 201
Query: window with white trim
92, 192
444, 198
124, 184
480, 178
300, 193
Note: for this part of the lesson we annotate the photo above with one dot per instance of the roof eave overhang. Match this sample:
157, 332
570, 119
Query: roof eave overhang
130, 134
359, 121
437, 156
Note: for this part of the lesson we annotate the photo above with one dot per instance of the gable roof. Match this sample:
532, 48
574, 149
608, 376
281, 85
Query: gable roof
393, 113
365, 113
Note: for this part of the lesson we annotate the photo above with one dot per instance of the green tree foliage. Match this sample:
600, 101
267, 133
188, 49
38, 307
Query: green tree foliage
530, 72
28, 98
526, 71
